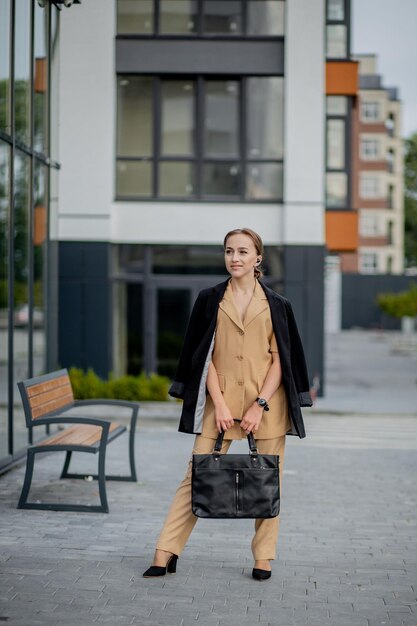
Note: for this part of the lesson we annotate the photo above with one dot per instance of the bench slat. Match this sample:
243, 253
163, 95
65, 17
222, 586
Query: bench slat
54, 405
79, 434
35, 390
47, 396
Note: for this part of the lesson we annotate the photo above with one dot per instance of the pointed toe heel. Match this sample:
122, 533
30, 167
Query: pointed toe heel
155, 570
261, 574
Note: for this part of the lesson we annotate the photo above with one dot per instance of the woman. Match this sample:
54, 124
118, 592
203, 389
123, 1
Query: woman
243, 348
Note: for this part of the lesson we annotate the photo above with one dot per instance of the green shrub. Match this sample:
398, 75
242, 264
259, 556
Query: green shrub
88, 385
402, 304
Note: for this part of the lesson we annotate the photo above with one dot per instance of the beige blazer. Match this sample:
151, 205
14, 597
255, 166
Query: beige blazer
242, 356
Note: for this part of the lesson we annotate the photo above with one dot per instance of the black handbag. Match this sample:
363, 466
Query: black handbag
235, 485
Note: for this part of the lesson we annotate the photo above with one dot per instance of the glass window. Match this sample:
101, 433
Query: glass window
336, 133
336, 42
176, 179
221, 122
336, 10
369, 186
264, 181
177, 118
187, 260
54, 84
40, 73
221, 179
5, 66
40, 237
222, 17
369, 225
135, 116
368, 263
370, 111
134, 178
178, 17
173, 306
336, 105
22, 72
336, 189
4, 297
369, 149
266, 17
265, 125
135, 16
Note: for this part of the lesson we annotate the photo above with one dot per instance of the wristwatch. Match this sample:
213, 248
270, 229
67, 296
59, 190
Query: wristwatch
263, 403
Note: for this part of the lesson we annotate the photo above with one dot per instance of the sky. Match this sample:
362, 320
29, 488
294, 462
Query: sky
389, 29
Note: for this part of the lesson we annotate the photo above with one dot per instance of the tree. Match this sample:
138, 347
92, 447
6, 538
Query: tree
410, 200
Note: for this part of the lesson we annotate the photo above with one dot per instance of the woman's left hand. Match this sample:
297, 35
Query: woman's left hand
252, 418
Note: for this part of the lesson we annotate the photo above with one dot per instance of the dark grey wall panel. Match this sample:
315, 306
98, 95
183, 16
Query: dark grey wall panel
359, 294
304, 287
264, 58
85, 337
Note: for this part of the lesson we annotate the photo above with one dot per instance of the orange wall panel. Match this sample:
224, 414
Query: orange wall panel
342, 78
342, 230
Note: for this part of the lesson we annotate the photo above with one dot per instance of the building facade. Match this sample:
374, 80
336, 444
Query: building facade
190, 118
381, 176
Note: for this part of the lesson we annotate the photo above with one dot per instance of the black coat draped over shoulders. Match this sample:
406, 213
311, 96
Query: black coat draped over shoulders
197, 343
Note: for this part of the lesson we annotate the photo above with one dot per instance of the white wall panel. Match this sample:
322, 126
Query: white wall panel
304, 122
87, 119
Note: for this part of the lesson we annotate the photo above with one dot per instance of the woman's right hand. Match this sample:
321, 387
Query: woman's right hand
223, 418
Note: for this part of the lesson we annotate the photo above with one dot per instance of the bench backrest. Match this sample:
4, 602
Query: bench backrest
45, 395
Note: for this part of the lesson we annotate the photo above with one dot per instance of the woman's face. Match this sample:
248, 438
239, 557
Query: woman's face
240, 256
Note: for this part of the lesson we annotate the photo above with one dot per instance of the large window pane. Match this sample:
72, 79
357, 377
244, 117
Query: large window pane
178, 17
178, 118
4, 299
173, 313
336, 105
40, 73
265, 125
336, 10
5, 66
134, 116
134, 178
336, 189
221, 179
222, 17
176, 179
266, 17
21, 285
22, 71
135, 16
336, 131
40, 237
336, 42
221, 123
264, 181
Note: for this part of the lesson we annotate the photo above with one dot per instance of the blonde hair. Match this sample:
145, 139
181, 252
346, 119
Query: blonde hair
257, 242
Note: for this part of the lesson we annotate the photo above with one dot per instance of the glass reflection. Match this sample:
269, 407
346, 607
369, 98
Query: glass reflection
335, 144
264, 181
40, 73
40, 235
4, 298
173, 312
5, 66
133, 178
176, 179
336, 42
336, 189
21, 286
266, 17
22, 70
135, 16
134, 116
221, 179
221, 123
336, 10
178, 17
222, 17
178, 118
265, 98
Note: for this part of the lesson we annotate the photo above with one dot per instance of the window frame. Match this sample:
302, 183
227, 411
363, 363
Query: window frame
199, 159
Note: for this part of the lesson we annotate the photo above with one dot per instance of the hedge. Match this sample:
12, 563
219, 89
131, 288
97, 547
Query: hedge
88, 385
402, 304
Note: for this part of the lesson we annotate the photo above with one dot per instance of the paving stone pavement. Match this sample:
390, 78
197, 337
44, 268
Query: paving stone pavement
347, 550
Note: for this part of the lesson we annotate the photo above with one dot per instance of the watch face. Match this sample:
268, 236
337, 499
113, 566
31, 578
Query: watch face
261, 402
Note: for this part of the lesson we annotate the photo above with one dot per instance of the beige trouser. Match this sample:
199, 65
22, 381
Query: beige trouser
180, 520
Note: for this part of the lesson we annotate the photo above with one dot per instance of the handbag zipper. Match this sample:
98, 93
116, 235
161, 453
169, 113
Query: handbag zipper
237, 490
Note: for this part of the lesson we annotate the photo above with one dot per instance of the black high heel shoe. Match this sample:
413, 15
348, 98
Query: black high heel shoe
156, 570
261, 574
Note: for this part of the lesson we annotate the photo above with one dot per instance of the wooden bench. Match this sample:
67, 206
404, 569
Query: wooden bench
47, 400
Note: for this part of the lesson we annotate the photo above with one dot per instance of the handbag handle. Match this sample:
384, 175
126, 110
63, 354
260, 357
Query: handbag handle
253, 450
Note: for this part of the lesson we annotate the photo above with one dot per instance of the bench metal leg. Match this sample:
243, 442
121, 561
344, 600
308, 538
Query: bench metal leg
28, 479
102, 477
64, 473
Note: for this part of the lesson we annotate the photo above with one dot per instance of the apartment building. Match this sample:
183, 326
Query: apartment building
380, 174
